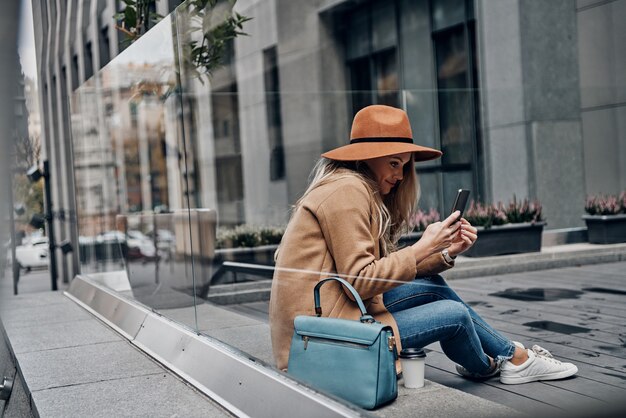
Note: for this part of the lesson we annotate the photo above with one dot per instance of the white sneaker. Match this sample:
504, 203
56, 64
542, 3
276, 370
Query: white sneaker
477, 376
539, 366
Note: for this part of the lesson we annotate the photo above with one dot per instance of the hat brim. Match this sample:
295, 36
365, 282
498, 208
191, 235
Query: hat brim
367, 150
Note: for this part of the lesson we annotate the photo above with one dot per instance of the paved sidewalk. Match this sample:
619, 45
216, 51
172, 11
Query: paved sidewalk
74, 365
578, 313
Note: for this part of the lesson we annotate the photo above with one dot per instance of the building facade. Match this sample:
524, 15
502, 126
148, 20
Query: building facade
525, 98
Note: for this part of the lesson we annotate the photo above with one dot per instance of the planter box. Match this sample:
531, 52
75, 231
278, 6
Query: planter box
606, 229
507, 239
263, 254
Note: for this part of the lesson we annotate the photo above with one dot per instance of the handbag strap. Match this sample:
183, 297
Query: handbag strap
365, 317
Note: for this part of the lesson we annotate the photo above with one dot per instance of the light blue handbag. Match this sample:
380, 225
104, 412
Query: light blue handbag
354, 360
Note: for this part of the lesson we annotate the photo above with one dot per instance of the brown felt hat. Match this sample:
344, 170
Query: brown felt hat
380, 131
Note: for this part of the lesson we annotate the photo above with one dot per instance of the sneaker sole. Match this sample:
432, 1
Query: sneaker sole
527, 379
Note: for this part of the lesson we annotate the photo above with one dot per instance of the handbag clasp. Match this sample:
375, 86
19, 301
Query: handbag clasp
391, 342
368, 319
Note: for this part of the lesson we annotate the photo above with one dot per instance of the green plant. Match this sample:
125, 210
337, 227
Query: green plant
136, 19
219, 25
524, 211
480, 214
606, 204
30, 195
248, 236
215, 19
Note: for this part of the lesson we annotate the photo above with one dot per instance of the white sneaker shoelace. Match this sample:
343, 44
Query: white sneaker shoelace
540, 351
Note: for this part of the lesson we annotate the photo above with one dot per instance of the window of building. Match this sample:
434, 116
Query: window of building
229, 176
374, 48
272, 111
105, 53
88, 61
453, 37
74, 72
372, 54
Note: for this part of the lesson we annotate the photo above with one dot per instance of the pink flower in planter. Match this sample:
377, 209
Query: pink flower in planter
606, 205
420, 219
487, 215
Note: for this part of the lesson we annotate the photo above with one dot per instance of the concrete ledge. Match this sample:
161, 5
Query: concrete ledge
549, 258
552, 237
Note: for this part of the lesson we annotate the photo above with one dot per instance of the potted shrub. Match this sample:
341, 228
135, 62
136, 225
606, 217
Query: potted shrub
505, 229
248, 244
606, 219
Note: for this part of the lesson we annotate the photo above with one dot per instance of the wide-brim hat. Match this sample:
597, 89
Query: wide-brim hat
380, 131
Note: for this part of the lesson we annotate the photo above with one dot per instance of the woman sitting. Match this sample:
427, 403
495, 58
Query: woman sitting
347, 224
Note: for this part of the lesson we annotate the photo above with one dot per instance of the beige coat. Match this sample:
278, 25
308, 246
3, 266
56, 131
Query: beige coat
334, 233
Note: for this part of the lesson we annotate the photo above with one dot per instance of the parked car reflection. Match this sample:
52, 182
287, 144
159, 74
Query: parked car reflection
140, 246
33, 254
115, 246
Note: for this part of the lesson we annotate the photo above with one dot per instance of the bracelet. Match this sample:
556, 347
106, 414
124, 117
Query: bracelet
446, 256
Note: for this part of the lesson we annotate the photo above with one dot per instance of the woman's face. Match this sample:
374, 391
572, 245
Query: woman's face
388, 171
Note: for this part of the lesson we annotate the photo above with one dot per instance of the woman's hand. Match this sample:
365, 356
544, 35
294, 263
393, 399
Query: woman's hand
465, 238
438, 236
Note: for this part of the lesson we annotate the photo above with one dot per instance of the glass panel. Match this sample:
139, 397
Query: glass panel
455, 117
447, 13
129, 156
186, 180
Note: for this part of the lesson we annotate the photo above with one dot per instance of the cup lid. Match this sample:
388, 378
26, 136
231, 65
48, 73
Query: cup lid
412, 353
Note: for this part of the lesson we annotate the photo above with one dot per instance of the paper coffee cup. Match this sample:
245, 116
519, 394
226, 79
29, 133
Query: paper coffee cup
413, 361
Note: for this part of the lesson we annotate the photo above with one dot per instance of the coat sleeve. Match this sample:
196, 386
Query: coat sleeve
345, 218
434, 264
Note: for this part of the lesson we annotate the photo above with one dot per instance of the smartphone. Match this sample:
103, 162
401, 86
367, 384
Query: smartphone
460, 202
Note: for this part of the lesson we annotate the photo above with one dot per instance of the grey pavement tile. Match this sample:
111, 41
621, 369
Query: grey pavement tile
24, 316
162, 297
157, 395
26, 300
485, 391
435, 400
210, 317
59, 335
252, 339
84, 364
36, 281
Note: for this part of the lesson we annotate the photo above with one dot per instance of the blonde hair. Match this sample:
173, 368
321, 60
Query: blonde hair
392, 210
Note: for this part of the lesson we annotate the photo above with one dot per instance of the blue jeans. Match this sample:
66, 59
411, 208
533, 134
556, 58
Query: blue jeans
428, 310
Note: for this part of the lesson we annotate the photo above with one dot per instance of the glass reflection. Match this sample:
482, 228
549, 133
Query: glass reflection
185, 180
133, 223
